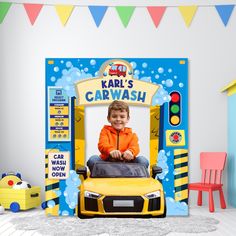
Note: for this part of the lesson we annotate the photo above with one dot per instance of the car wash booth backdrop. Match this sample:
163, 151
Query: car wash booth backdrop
158, 91
50, 31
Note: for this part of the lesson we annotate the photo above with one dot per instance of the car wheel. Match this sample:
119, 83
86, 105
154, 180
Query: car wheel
15, 207
164, 213
81, 216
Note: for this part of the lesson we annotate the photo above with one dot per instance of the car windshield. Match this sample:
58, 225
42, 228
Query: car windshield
114, 67
119, 170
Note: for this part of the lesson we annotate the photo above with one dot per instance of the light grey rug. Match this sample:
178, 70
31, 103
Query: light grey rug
46, 225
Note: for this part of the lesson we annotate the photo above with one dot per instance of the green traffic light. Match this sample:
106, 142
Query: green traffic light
174, 109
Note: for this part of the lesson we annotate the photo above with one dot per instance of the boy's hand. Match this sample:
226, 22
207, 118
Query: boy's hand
128, 155
116, 154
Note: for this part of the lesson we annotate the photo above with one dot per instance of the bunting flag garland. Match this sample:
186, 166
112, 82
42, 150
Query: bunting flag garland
188, 13
64, 12
224, 12
4, 7
156, 14
32, 11
124, 12
97, 13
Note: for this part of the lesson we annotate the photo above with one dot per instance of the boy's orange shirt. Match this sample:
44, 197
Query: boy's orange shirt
110, 139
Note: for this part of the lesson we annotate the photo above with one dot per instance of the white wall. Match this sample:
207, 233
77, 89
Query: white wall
209, 46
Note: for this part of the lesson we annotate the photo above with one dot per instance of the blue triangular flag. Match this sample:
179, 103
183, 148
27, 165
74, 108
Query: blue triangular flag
224, 12
98, 13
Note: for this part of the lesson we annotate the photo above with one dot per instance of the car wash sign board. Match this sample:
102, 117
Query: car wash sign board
58, 115
58, 165
115, 83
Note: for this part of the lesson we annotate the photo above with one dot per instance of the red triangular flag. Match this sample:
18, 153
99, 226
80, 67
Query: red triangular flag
32, 11
156, 13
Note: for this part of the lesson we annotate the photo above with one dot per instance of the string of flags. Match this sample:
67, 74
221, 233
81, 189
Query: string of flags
124, 12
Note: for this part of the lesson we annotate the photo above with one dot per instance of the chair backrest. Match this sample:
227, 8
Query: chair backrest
212, 165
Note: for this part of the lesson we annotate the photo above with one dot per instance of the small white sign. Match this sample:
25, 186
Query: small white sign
58, 165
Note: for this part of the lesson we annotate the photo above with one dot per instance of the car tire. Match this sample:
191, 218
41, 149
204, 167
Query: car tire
164, 213
81, 216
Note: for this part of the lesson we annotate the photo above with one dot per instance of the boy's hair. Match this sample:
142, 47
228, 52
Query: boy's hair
118, 106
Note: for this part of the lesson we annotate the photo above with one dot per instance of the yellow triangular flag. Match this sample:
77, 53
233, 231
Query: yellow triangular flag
187, 13
64, 12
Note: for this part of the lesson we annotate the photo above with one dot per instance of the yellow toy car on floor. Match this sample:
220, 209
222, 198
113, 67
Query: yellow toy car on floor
18, 199
120, 189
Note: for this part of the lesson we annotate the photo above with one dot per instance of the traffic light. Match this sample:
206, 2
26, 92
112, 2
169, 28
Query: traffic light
175, 109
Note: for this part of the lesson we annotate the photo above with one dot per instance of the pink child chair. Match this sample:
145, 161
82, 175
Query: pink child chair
212, 165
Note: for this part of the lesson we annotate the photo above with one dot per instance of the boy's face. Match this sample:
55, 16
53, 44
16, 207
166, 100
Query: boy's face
118, 119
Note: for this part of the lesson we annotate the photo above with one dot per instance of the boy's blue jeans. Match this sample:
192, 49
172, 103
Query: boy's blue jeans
95, 158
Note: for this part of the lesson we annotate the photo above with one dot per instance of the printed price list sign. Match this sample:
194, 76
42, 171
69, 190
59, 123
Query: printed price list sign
59, 115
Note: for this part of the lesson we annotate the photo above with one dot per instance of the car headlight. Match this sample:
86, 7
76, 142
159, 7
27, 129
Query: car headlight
93, 195
153, 194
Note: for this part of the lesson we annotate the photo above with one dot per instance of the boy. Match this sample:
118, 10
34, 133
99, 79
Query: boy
117, 142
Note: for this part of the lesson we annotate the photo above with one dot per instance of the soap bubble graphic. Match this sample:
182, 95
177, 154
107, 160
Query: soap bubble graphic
169, 83
71, 191
65, 213
144, 65
133, 64
69, 78
56, 68
53, 78
68, 64
160, 70
181, 85
175, 207
51, 204
160, 97
146, 79
92, 62
162, 162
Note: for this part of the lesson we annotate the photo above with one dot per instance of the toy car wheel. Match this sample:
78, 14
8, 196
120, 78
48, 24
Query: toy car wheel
81, 216
164, 213
15, 207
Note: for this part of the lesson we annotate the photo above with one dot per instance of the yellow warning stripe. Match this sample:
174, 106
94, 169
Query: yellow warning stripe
181, 170
181, 175
181, 195
180, 151
181, 181
180, 160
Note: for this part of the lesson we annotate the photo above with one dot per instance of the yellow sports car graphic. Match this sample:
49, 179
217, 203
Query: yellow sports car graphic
120, 189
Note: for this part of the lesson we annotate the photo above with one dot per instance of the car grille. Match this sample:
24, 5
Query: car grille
91, 204
154, 204
136, 207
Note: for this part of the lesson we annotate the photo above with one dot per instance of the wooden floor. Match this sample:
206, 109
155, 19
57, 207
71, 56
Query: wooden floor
227, 226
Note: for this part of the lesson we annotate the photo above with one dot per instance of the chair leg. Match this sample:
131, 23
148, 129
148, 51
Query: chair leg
222, 199
211, 201
199, 199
